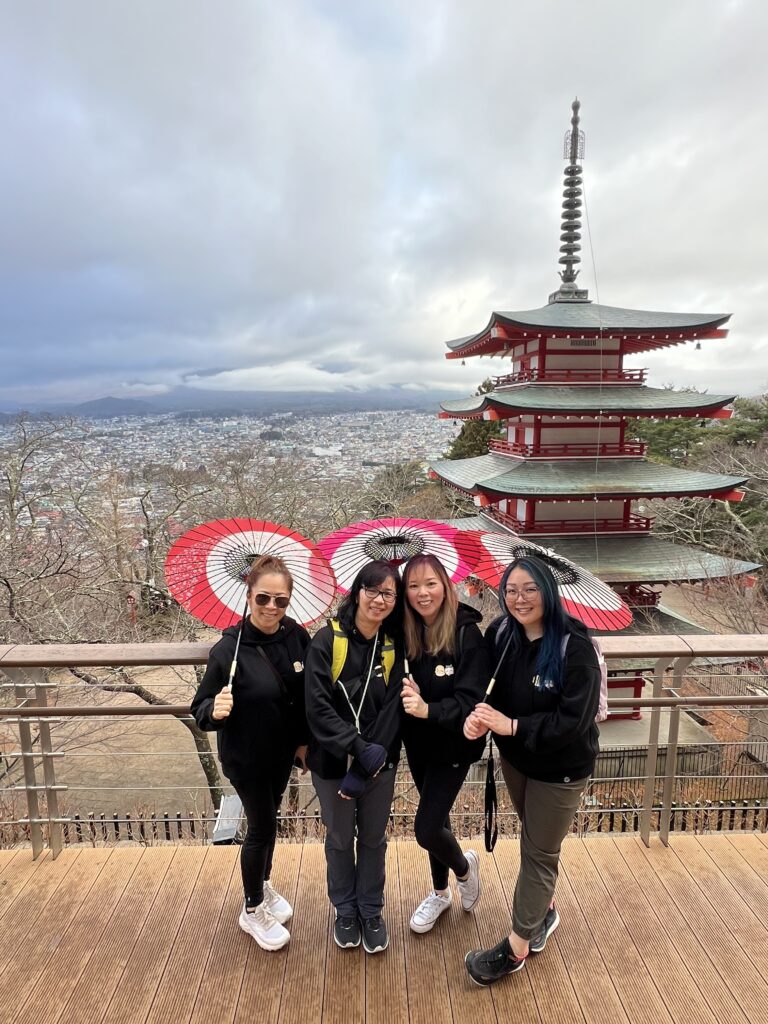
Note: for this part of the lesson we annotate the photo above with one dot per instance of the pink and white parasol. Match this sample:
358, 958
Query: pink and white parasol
206, 569
395, 541
584, 595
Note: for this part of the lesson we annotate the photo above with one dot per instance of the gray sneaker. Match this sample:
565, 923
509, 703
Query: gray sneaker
469, 889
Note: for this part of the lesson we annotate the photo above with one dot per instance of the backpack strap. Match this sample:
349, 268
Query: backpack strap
341, 649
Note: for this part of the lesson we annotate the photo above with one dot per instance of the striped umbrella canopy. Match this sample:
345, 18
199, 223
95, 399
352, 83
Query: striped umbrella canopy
207, 567
395, 540
583, 595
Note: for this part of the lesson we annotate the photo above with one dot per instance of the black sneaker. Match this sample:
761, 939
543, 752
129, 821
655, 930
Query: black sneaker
551, 921
346, 932
375, 938
488, 965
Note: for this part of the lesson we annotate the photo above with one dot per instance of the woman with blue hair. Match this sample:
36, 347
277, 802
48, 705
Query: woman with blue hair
541, 712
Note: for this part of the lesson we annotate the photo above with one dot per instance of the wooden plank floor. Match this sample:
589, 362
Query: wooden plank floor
150, 935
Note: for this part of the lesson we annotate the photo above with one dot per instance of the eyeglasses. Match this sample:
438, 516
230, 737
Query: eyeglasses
526, 592
388, 596
262, 600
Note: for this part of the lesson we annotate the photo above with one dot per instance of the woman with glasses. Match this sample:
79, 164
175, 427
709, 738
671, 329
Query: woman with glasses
261, 729
353, 682
448, 676
541, 712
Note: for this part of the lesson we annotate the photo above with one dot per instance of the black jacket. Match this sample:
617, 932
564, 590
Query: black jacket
333, 734
557, 738
267, 721
450, 696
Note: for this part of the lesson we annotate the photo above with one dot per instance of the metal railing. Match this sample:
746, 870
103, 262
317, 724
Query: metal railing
650, 789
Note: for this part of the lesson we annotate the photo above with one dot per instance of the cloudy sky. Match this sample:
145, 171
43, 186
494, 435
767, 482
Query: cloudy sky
316, 194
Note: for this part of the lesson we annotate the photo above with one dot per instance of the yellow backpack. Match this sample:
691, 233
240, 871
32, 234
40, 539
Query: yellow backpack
341, 648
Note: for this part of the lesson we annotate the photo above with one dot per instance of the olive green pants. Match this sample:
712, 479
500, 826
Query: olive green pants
546, 810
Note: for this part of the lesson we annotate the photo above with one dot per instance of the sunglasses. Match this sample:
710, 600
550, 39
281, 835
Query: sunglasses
262, 600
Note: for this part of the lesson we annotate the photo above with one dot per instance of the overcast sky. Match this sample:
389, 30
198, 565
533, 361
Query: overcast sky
317, 194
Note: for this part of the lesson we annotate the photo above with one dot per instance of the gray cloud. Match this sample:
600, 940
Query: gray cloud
319, 194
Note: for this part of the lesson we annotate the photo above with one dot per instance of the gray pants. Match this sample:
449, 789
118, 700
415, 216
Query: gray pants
356, 871
546, 810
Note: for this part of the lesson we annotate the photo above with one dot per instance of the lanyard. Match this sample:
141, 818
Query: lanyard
356, 714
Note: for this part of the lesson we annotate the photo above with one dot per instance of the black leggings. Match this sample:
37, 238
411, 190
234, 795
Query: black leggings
261, 802
438, 786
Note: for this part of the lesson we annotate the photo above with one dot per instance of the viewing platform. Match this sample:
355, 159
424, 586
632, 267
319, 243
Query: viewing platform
129, 935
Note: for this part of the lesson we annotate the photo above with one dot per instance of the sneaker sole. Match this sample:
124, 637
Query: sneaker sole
540, 949
270, 948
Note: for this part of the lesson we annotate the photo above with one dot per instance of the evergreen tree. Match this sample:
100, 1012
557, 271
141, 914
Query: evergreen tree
474, 435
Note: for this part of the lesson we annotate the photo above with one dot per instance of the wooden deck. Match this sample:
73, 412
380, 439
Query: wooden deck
132, 934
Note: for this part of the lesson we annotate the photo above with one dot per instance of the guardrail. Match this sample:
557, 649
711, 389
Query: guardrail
667, 657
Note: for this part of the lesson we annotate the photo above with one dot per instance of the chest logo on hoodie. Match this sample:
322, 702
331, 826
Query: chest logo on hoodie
298, 666
548, 684
443, 670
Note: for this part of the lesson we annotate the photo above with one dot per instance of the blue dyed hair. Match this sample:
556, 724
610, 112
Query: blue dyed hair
557, 622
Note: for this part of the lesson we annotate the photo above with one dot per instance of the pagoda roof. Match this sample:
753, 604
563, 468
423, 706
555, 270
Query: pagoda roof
502, 476
644, 559
643, 329
579, 399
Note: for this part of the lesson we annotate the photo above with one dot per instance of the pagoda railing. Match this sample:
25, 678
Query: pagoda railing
559, 527
571, 376
641, 597
611, 450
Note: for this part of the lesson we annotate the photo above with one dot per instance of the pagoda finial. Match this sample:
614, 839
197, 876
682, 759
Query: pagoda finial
570, 229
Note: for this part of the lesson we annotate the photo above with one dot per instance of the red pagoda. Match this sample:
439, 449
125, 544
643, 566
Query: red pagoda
566, 474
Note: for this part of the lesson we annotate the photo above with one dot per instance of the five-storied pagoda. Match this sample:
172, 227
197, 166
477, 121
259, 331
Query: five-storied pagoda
566, 474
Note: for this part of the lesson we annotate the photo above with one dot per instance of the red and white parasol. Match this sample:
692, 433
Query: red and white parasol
584, 596
395, 541
206, 569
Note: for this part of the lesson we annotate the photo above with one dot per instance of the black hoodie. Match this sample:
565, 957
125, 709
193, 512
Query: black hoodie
450, 685
557, 738
267, 721
334, 736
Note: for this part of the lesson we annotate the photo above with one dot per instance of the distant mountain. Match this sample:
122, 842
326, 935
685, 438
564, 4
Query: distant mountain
191, 400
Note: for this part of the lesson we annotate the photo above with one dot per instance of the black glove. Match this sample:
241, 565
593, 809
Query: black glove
353, 783
372, 759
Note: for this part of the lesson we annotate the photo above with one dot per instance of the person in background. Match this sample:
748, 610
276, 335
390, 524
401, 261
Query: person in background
353, 682
260, 728
541, 712
449, 673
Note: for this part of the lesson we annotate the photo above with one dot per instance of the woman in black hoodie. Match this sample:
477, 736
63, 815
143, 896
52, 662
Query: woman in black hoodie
542, 715
448, 676
261, 728
353, 709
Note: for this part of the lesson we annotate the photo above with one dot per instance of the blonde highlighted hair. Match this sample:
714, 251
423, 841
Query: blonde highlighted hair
440, 636
265, 564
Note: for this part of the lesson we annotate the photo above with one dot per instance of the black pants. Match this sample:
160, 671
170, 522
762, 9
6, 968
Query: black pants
261, 801
438, 786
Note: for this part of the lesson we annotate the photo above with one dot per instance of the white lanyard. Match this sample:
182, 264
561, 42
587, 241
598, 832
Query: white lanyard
356, 714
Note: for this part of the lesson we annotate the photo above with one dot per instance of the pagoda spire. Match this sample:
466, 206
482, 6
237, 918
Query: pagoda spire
570, 228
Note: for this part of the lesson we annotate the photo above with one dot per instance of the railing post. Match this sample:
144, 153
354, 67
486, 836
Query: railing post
49, 771
20, 688
670, 770
653, 750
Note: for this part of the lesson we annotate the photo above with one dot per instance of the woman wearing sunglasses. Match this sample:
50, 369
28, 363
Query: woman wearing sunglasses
448, 677
541, 712
353, 683
261, 728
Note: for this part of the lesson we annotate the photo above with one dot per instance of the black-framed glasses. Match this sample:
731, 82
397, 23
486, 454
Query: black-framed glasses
262, 600
388, 596
527, 592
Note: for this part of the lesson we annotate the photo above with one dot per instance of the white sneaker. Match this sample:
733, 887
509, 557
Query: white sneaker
262, 926
426, 914
469, 889
277, 905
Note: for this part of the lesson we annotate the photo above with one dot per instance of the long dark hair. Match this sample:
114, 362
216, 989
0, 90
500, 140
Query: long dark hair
373, 575
557, 622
